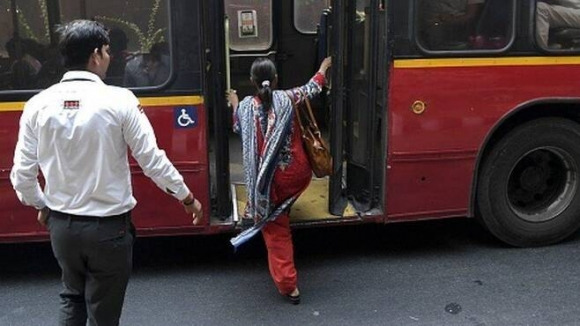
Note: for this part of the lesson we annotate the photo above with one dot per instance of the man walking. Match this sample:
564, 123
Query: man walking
77, 132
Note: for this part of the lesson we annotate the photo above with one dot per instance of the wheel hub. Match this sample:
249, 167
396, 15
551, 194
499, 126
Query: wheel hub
533, 179
542, 184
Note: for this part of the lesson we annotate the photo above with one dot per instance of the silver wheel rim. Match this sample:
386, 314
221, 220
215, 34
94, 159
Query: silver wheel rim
542, 184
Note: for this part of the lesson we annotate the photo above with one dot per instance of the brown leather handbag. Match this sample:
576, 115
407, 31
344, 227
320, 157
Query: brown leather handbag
316, 148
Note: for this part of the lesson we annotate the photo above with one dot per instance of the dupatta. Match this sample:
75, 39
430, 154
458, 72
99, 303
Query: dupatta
259, 167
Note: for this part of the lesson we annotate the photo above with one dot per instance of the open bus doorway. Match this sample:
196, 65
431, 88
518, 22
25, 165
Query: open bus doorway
297, 43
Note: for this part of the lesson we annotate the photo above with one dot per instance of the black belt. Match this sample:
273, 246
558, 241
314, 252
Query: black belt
66, 216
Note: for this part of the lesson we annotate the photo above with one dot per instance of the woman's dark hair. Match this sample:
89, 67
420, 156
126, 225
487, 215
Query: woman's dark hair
79, 39
263, 74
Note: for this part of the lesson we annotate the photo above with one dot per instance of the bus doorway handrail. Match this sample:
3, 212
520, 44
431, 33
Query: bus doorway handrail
227, 53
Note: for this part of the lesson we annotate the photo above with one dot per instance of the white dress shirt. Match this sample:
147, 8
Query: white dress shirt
78, 132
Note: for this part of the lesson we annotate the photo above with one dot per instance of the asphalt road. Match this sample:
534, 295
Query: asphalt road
430, 273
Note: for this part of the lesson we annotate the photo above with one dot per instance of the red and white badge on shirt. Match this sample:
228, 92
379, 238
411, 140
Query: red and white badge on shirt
71, 105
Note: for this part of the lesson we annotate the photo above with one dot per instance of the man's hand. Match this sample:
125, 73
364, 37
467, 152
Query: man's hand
195, 210
193, 206
43, 216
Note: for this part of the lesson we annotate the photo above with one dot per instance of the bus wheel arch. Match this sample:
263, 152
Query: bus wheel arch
518, 116
528, 187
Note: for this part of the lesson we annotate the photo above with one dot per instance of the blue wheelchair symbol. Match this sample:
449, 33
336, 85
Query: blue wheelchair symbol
185, 117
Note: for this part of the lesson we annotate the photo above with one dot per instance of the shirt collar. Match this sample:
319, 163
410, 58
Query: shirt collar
81, 74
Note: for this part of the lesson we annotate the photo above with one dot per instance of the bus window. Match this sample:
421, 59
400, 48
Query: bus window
307, 14
250, 24
24, 43
461, 25
140, 54
558, 25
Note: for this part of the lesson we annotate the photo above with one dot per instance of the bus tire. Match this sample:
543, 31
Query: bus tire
529, 187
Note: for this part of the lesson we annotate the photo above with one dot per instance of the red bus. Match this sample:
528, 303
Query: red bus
430, 114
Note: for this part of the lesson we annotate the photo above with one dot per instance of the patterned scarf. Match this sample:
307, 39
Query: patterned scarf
259, 167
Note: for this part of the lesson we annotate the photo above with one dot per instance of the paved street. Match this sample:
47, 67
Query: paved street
430, 273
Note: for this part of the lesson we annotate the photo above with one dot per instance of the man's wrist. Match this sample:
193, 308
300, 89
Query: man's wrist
189, 200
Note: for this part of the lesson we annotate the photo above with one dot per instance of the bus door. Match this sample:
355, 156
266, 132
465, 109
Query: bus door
238, 32
359, 90
286, 33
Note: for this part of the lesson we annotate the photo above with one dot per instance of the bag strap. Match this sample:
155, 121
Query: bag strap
297, 110
310, 116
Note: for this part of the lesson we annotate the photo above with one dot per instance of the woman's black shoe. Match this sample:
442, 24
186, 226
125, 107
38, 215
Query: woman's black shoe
294, 299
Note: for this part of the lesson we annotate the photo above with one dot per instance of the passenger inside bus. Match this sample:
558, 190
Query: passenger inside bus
149, 69
493, 28
52, 68
25, 56
119, 56
448, 24
558, 24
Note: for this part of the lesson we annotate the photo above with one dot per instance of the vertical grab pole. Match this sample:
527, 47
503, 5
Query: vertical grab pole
227, 51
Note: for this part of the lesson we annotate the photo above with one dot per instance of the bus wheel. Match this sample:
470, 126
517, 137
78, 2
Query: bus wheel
529, 187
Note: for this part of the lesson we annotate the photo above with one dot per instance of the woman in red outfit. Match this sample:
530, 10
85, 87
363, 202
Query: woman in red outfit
276, 168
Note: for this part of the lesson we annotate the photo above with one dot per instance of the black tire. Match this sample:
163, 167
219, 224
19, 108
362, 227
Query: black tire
529, 186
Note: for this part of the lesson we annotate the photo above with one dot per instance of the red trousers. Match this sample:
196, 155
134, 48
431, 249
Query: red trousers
276, 233
278, 241
287, 182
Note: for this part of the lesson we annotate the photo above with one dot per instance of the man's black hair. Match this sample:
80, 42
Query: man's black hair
78, 41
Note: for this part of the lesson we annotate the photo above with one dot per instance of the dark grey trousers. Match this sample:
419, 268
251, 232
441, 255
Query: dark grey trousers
95, 255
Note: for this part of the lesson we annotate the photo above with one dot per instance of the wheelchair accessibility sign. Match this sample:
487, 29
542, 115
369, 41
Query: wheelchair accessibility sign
185, 117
